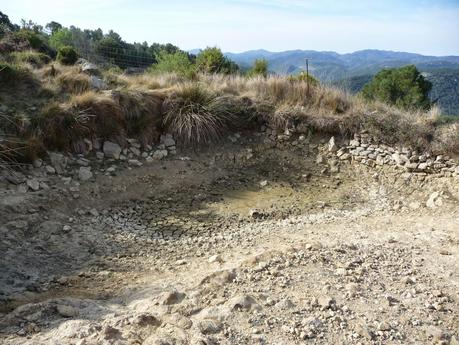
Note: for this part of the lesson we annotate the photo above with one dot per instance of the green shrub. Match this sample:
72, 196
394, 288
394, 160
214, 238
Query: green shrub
303, 77
67, 55
177, 62
61, 38
35, 40
34, 58
260, 67
212, 60
403, 87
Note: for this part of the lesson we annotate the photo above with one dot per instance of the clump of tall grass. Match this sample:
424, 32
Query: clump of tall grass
191, 116
34, 58
72, 81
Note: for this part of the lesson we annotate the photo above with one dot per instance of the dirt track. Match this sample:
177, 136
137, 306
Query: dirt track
171, 253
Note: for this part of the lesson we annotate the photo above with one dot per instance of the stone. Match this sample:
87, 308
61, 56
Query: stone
100, 155
263, 183
33, 184
97, 83
215, 258
50, 170
88, 67
85, 173
171, 297
432, 202
159, 154
437, 334
209, 326
58, 161
345, 156
135, 151
332, 147
66, 310
325, 302
243, 302
112, 150
37, 163
167, 140
134, 162
320, 159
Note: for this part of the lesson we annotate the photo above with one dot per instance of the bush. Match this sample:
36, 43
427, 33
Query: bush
260, 67
403, 87
34, 58
61, 38
67, 55
177, 62
303, 77
212, 60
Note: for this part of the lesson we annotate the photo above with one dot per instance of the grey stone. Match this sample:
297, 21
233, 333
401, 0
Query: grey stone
84, 173
33, 184
58, 161
112, 150
66, 310
159, 154
134, 162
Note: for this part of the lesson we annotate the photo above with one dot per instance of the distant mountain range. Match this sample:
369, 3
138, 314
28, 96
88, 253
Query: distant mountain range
353, 70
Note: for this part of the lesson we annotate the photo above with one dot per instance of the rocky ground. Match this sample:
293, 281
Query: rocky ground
248, 242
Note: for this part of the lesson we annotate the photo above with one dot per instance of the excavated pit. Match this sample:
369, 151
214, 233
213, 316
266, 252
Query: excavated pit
235, 244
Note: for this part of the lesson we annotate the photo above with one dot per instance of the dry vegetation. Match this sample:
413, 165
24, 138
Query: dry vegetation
198, 111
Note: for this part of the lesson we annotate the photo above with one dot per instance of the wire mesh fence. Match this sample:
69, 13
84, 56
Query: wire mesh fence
123, 57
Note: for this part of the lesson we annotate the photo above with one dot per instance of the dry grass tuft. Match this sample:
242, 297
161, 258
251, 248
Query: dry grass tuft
72, 81
106, 120
190, 117
142, 111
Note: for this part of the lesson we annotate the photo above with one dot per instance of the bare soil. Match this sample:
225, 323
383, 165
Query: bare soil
235, 244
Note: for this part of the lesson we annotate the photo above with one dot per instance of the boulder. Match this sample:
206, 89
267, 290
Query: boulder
111, 150
58, 161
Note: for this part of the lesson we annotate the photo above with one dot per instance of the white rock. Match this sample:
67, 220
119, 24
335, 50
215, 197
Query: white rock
332, 145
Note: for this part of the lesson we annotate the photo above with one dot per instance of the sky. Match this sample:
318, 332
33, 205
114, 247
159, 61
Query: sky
419, 26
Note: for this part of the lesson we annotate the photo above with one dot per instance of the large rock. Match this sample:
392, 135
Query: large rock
112, 150
88, 67
58, 161
97, 83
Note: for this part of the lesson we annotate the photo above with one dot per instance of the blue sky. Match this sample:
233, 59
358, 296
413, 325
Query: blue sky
423, 26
